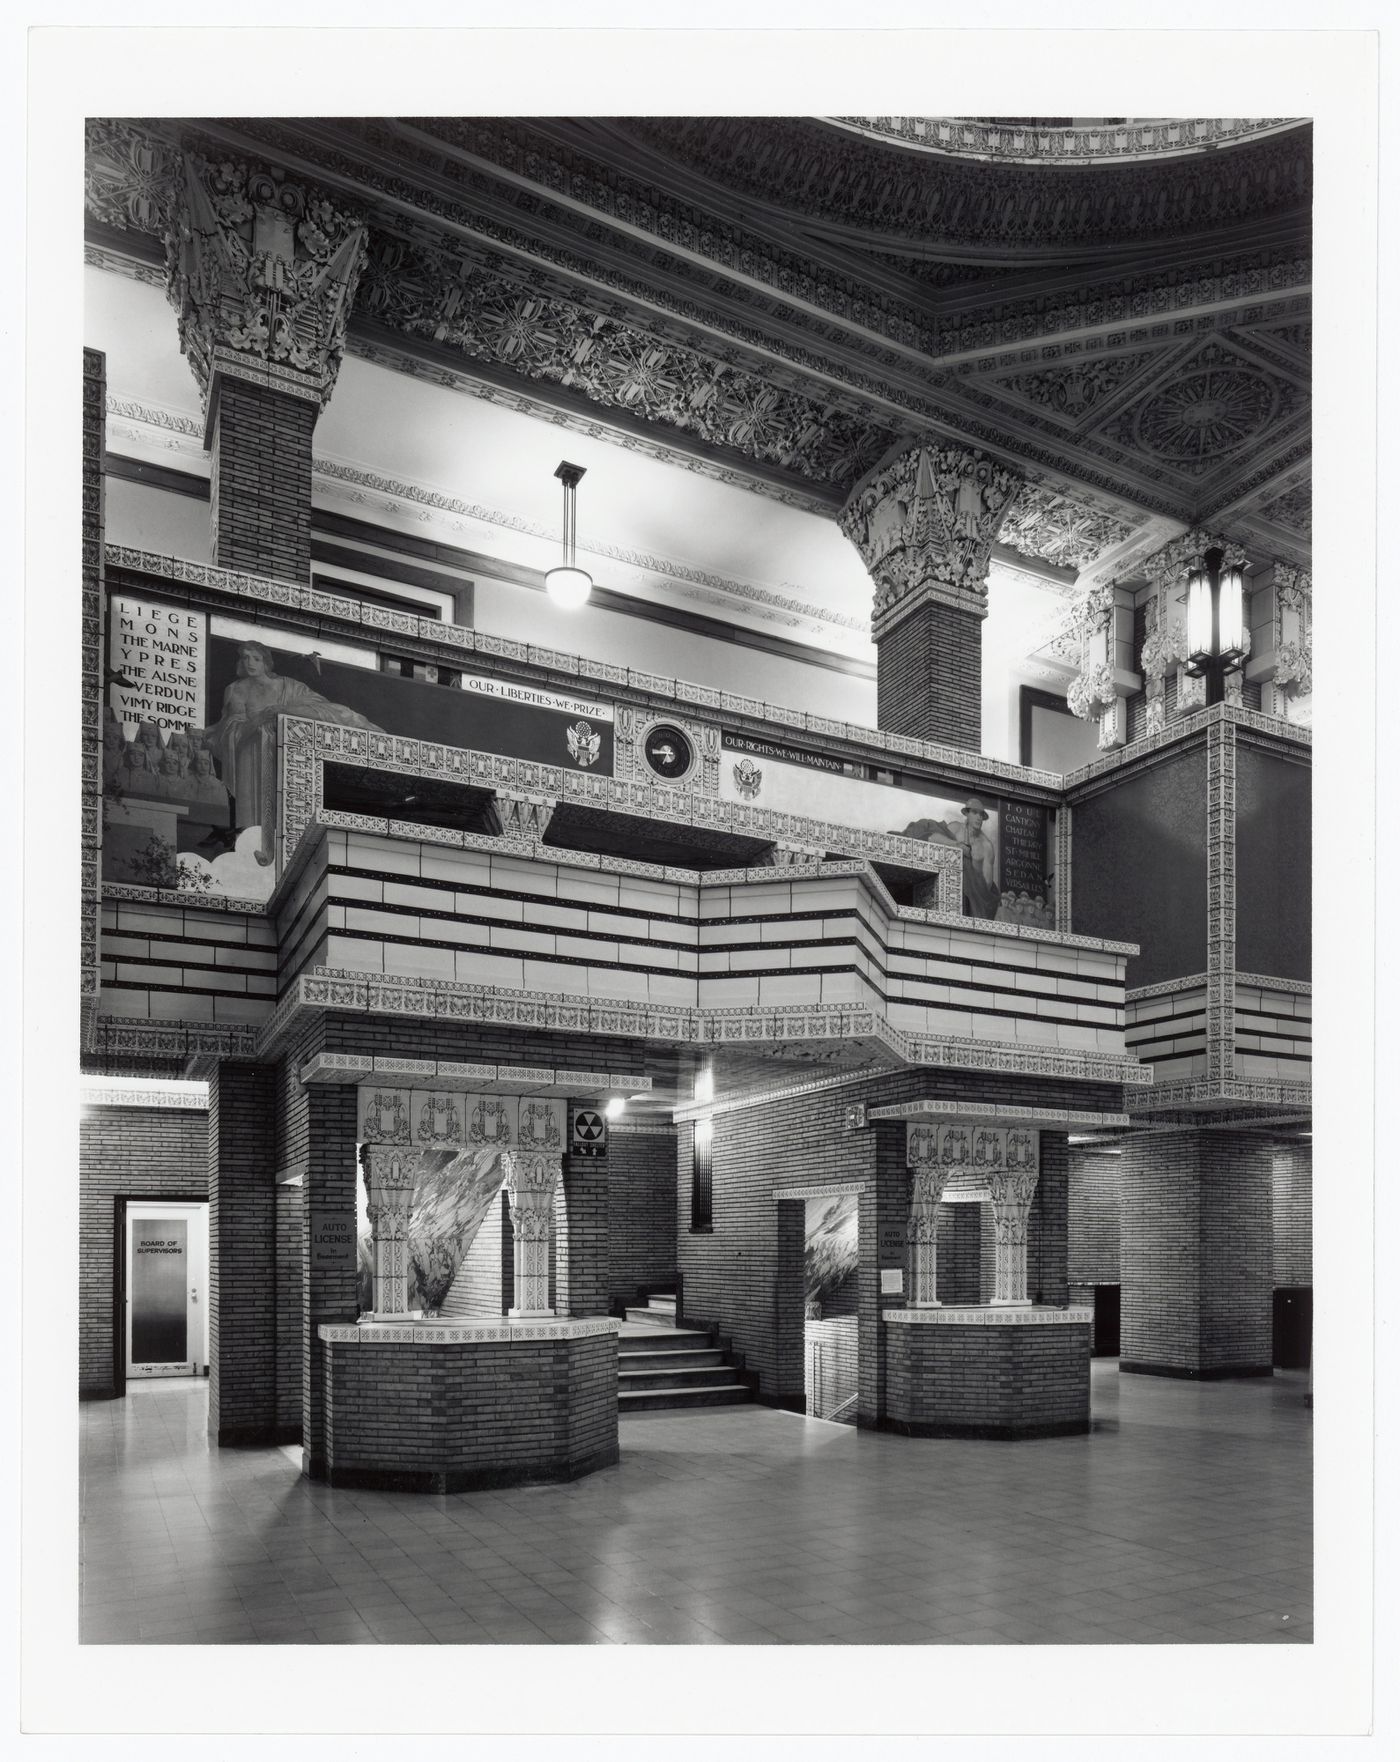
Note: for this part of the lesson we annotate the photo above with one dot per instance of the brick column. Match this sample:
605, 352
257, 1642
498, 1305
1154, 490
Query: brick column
259, 441
924, 521
328, 1282
1047, 1256
928, 676
242, 1255
289, 1310
581, 1236
883, 1226
1196, 1230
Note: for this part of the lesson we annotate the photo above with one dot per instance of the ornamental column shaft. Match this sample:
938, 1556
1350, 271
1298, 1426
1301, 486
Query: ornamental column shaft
924, 522
531, 1178
391, 1173
1011, 1192
927, 1178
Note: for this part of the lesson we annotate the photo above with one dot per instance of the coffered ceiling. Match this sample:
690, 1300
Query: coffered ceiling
1122, 311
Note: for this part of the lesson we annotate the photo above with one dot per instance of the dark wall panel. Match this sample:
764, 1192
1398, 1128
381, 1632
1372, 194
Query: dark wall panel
1273, 857
1138, 866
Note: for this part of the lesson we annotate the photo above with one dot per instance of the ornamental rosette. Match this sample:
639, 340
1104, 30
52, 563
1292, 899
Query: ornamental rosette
1293, 667
1091, 692
1162, 649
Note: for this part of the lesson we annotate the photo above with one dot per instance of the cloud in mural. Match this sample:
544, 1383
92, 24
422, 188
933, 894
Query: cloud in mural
237, 873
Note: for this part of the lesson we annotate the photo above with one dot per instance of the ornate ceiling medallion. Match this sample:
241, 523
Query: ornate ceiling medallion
1206, 415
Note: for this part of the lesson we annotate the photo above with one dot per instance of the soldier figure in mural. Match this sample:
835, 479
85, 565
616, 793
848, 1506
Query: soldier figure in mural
244, 739
981, 896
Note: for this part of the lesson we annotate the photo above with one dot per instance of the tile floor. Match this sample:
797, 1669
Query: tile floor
1185, 1516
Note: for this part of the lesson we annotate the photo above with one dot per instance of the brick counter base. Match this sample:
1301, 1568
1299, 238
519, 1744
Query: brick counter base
987, 1373
436, 1409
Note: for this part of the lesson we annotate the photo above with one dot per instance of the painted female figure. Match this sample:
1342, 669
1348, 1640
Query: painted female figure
244, 739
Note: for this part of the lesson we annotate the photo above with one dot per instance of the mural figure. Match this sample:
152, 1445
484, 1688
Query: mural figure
244, 739
204, 785
981, 896
137, 774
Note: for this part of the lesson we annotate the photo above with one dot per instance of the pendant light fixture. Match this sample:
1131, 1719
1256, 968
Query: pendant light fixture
568, 585
1215, 623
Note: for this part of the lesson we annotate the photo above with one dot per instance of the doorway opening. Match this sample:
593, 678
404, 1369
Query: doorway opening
831, 1327
165, 1289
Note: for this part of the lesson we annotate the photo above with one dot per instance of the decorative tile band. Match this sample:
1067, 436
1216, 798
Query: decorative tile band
1052, 1118
820, 1190
1262, 982
449, 1333
1034, 1316
1204, 1092
330, 988
185, 1095
1195, 982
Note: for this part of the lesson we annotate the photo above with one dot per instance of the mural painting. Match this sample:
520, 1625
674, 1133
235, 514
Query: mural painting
190, 740
1004, 844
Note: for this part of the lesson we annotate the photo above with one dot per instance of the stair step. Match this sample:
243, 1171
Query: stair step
657, 1318
630, 1359
697, 1376
716, 1395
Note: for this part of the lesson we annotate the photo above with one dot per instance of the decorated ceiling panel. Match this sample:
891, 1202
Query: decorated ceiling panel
782, 302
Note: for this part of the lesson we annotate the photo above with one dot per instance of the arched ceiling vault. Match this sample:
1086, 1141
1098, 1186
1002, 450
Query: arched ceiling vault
779, 302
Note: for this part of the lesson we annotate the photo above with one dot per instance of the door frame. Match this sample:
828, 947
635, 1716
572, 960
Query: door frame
119, 1204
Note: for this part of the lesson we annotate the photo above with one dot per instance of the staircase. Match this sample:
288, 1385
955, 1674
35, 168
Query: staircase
662, 1366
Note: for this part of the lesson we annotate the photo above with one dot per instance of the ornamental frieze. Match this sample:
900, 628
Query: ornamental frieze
487, 313
801, 165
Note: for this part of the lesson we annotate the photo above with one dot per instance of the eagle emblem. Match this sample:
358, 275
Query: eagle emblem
584, 745
749, 779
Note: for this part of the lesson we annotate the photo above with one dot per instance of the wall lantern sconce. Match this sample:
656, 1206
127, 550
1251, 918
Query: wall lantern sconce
568, 585
1215, 636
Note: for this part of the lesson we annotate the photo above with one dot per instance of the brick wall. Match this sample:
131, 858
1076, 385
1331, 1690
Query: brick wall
242, 1255
929, 677
960, 1236
485, 1283
260, 483
1292, 1173
988, 1382
137, 1152
641, 1169
1093, 1218
446, 1417
1197, 1254
329, 1293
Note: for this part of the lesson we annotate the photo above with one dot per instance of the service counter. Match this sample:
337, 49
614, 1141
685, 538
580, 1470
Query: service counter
444, 1407
1014, 1371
